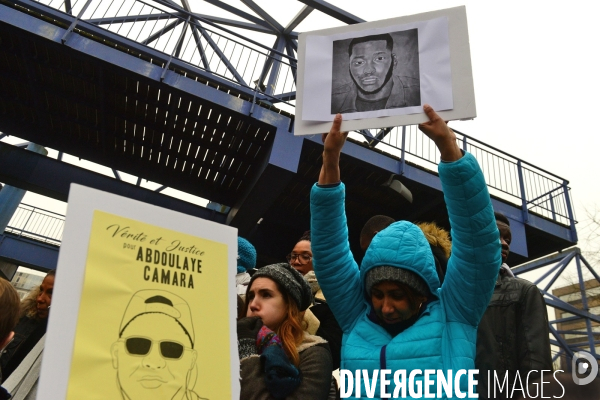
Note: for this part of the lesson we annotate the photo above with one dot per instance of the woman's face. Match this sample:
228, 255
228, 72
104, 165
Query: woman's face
44, 299
301, 257
391, 302
266, 301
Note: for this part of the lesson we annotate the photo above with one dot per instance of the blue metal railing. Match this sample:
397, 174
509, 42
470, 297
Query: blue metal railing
37, 223
177, 34
195, 45
509, 178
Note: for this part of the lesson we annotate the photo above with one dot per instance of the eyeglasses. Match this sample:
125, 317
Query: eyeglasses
303, 258
140, 346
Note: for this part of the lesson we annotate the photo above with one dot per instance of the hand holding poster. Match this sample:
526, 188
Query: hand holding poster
142, 307
379, 74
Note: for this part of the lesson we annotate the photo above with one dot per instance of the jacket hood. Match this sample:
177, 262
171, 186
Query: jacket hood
401, 245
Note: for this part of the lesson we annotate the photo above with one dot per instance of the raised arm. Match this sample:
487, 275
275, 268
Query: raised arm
475, 259
443, 137
333, 262
332, 148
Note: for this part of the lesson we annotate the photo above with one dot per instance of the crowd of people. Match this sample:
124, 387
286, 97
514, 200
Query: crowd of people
418, 301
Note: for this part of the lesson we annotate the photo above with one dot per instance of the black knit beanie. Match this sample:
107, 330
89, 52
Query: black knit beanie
289, 280
394, 274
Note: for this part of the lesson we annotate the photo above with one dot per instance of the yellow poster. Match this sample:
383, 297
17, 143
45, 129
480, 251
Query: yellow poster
148, 324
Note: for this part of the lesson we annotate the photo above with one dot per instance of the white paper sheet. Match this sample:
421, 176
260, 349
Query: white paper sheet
445, 76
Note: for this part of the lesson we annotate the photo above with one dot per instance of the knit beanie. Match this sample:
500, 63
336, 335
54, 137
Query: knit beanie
246, 255
394, 274
289, 280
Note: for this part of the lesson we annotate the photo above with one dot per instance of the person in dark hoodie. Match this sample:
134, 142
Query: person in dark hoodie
393, 311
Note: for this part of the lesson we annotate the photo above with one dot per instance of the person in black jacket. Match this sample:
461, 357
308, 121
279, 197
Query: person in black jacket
32, 324
513, 335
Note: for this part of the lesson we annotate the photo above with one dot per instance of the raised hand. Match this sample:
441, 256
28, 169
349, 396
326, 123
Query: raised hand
443, 137
332, 147
334, 140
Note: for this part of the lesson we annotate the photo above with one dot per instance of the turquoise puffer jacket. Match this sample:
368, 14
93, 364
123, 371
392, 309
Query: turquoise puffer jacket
444, 335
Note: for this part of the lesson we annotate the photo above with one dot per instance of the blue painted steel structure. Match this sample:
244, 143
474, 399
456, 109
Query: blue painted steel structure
28, 252
551, 268
199, 103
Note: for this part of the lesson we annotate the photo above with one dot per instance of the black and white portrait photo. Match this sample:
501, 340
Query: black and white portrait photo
376, 72
380, 74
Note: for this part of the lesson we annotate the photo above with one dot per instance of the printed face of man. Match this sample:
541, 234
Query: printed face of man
153, 358
370, 63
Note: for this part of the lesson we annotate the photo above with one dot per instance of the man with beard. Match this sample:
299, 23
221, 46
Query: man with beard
374, 85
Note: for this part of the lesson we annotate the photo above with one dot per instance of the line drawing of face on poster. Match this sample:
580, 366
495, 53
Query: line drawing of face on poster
154, 355
376, 72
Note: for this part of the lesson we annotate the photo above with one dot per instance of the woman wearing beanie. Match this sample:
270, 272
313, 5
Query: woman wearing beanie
278, 359
394, 313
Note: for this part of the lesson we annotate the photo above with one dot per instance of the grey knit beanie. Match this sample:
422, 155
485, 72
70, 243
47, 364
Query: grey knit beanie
290, 280
395, 274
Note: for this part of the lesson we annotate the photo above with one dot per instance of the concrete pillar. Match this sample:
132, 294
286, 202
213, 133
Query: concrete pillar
11, 197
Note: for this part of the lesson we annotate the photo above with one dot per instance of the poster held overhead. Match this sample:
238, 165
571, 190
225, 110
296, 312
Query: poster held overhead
144, 304
379, 74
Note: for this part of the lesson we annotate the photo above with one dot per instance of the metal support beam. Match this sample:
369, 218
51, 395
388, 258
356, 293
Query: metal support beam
164, 30
74, 23
523, 193
289, 49
28, 252
264, 15
302, 14
562, 265
555, 302
333, 11
237, 12
128, 19
535, 264
176, 50
570, 211
199, 45
276, 67
53, 178
221, 55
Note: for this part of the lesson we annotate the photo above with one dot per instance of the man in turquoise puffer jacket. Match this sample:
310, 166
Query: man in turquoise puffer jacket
393, 312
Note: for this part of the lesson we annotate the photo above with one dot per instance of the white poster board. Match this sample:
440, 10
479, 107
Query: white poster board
139, 285
379, 74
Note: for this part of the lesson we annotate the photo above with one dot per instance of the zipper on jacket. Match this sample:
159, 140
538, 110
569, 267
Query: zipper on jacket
382, 364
